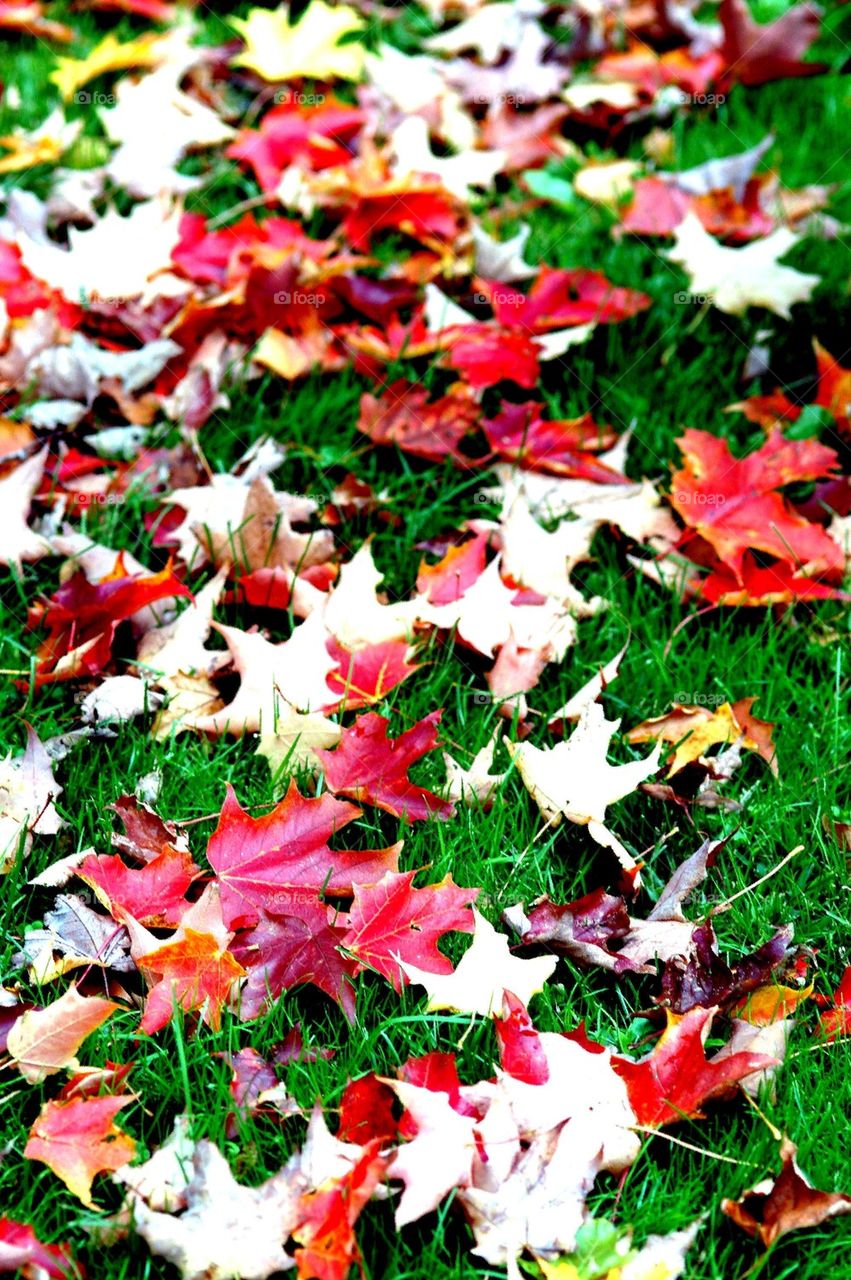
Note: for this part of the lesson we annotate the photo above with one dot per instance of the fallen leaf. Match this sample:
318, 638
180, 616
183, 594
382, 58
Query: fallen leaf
789, 1202
221, 1228
27, 791
265, 863
675, 1080
18, 542
276, 49
191, 970
325, 1234
391, 921
373, 769
23, 1253
734, 279
299, 943
79, 1139
78, 936
735, 503
754, 53
295, 739
696, 729
575, 780
474, 786
483, 974
154, 894
45, 1041
111, 54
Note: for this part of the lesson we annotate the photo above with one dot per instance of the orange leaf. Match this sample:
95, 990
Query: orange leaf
78, 1140
196, 973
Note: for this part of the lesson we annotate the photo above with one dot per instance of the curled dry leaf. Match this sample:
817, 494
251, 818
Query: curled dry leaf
786, 1203
696, 729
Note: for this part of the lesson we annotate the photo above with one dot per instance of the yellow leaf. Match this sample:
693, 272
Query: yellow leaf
25, 152
606, 183
110, 55
279, 50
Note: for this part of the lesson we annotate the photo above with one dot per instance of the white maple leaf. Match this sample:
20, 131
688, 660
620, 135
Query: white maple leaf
18, 542
438, 1158
735, 279
459, 174
575, 780
293, 672
483, 974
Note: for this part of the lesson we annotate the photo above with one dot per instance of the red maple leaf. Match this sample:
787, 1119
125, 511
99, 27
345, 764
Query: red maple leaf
836, 1021
486, 354
23, 293
372, 768
325, 1235
754, 54
78, 1139
296, 946
392, 920
425, 211
650, 71
521, 434
762, 585
367, 1112
674, 1081
521, 1053
432, 429
263, 863
452, 575
657, 208
315, 137
154, 894
367, 675
560, 298
734, 503
226, 256
23, 1253
82, 618
834, 388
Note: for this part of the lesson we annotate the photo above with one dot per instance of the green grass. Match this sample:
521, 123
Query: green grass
662, 371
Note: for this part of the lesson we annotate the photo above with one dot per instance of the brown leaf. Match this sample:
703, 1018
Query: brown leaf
789, 1202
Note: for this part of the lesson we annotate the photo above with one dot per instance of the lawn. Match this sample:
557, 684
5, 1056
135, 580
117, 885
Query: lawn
675, 365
